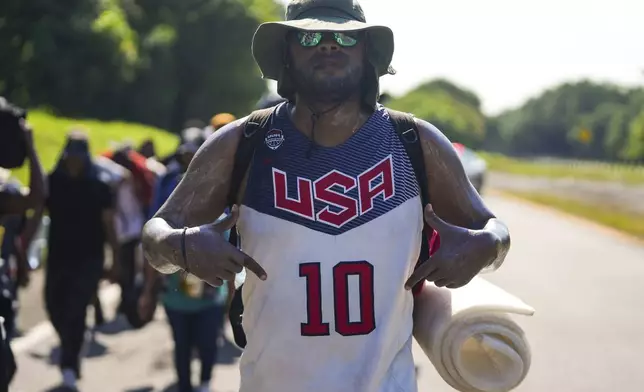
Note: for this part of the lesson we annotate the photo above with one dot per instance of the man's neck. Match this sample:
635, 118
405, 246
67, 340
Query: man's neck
333, 123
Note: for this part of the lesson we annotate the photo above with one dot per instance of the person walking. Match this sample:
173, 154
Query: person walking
332, 202
16, 230
81, 209
195, 310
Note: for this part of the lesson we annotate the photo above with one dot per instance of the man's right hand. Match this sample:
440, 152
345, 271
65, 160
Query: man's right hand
213, 259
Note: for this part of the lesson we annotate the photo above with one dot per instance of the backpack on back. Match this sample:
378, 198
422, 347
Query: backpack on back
254, 132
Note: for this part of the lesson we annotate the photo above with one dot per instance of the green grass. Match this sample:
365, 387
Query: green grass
626, 222
593, 171
50, 133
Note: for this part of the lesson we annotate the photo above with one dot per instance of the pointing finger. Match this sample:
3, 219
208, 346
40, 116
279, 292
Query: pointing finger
433, 220
252, 265
419, 274
442, 282
434, 275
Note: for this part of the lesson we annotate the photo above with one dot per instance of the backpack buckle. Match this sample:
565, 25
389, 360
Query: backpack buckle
410, 135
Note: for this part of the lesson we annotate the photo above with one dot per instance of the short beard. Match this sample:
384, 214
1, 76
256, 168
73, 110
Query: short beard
327, 90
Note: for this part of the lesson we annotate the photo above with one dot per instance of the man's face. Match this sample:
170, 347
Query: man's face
326, 67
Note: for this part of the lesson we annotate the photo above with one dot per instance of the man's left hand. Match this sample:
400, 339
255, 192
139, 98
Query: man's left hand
462, 254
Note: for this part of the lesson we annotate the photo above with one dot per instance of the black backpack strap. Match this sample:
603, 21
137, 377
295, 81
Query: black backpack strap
254, 130
235, 314
407, 131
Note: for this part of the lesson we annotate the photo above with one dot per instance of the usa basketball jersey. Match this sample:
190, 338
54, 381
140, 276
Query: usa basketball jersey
338, 232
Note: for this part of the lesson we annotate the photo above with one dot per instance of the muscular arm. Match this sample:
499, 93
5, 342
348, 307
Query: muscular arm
453, 197
200, 198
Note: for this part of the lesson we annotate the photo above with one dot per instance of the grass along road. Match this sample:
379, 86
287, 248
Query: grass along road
50, 134
612, 204
624, 222
553, 168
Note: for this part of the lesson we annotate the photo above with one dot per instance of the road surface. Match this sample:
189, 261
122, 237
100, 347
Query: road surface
611, 195
586, 283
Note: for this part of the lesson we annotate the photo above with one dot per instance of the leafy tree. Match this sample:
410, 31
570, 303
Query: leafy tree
158, 62
453, 110
634, 148
542, 126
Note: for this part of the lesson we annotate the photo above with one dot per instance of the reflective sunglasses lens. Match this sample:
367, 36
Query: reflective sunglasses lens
345, 40
309, 39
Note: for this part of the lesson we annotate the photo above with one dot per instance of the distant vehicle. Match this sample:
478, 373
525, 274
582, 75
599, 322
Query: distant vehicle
475, 166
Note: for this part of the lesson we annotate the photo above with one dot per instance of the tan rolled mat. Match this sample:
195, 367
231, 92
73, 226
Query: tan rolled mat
470, 338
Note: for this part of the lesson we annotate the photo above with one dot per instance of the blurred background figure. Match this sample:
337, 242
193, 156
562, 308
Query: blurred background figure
81, 209
20, 213
194, 135
16, 234
195, 310
144, 178
133, 195
147, 149
217, 121
129, 219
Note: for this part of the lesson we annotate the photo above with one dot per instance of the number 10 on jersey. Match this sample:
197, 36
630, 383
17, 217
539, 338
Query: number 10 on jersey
315, 325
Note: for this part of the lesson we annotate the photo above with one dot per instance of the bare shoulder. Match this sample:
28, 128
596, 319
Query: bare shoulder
436, 146
452, 195
223, 141
201, 195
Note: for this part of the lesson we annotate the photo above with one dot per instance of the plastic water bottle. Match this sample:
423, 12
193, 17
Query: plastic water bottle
39, 244
240, 278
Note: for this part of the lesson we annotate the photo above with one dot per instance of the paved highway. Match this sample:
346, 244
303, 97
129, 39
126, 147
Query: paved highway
586, 283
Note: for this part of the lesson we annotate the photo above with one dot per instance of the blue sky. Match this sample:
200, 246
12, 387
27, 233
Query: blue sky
509, 50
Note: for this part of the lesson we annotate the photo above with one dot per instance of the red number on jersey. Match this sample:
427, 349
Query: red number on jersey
314, 326
343, 325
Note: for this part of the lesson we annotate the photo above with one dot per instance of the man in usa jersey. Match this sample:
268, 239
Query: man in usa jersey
329, 210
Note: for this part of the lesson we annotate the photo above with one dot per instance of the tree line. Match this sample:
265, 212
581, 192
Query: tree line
162, 62
582, 120
156, 62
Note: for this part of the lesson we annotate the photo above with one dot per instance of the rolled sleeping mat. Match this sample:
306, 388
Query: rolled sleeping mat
470, 338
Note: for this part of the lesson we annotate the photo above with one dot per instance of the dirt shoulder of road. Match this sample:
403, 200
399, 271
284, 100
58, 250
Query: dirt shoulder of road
614, 204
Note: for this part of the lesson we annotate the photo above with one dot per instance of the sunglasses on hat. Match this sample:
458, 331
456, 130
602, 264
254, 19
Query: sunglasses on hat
310, 39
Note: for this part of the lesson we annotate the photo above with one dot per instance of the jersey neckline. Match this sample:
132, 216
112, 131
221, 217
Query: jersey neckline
284, 112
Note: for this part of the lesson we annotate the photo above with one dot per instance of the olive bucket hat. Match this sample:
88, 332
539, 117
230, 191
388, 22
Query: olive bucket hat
269, 41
